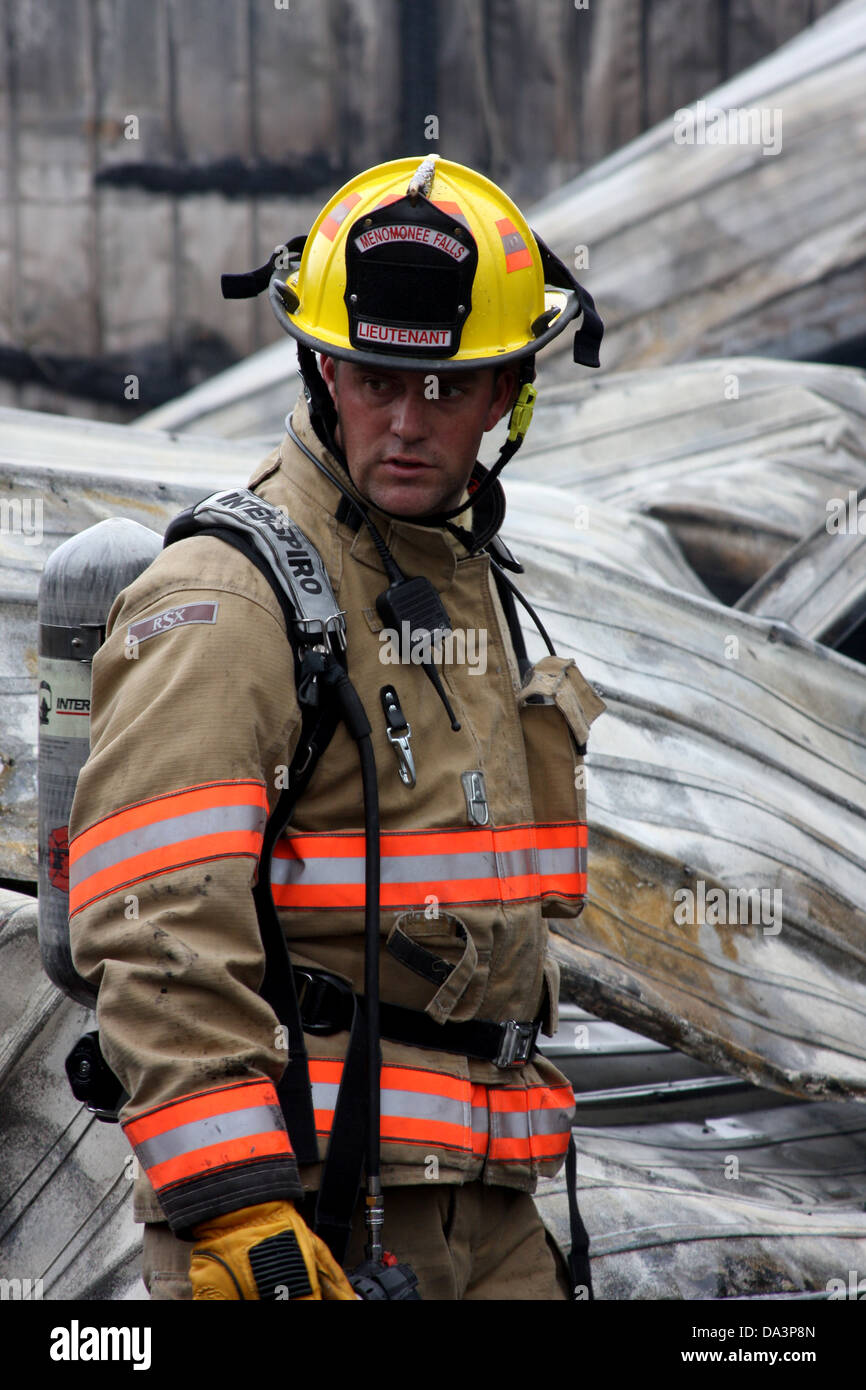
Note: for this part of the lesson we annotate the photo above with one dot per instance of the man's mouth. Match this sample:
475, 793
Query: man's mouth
404, 466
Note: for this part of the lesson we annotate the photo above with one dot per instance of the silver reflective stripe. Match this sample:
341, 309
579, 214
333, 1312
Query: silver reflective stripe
319, 871
198, 1134
520, 1124
562, 861
421, 1105
324, 1095
517, 863
471, 1119
173, 830
396, 868
417, 1105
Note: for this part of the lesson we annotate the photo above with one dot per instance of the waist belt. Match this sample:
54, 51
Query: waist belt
327, 1005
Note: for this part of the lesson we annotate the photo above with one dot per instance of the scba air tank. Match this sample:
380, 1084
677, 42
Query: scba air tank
80, 581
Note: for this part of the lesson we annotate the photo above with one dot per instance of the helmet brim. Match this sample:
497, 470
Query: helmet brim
571, 307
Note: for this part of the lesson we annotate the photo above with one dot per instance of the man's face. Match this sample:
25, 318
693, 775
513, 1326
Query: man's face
409, 450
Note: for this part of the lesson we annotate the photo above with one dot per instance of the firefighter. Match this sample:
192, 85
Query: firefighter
425, 295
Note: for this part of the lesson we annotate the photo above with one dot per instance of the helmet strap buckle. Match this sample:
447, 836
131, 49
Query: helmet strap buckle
521, 412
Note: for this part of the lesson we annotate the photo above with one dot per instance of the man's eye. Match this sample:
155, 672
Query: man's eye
451, 391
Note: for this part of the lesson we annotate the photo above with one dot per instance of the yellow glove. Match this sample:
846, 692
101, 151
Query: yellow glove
264, 1252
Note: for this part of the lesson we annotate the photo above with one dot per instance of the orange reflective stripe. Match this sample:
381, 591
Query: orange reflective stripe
411, 843
418, 1080
522, 1123
514, 1100
162, 861
413, 1129
564, 886
451, 210
561, 835
331, 224
224, 1153
187, 799
517, 254
530, 1123
534, 1146
321, 1069
189, 826
562, 860
418, 1106
213, 1129
221, 1100
503, 864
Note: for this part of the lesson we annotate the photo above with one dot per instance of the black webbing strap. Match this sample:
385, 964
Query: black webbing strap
341, 1176
479, 1038
509, 608
587, 339
323, 413
278, 986
578, 1259
252, 282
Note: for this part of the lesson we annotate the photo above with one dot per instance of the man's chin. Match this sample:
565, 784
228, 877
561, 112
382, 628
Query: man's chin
408, 501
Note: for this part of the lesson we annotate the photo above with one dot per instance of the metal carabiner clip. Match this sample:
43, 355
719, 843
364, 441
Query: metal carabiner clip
405, 760
398, 732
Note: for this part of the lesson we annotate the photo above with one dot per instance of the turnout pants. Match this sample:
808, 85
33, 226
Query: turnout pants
463, 1242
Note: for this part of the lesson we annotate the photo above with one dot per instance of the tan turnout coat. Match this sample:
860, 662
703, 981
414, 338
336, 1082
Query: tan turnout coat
194, 722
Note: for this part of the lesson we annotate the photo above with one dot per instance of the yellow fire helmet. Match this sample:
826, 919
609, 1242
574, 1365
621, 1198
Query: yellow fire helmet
428, 264
424, 265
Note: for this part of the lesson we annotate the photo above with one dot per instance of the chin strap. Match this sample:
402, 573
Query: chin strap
323, 415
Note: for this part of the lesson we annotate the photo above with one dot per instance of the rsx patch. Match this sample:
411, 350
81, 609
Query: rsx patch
171, 618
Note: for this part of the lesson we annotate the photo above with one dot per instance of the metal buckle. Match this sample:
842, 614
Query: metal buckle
324, 1001
521, 413
303, 981
517, 1043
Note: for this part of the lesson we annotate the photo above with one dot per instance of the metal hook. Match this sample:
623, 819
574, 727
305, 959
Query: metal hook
398, 732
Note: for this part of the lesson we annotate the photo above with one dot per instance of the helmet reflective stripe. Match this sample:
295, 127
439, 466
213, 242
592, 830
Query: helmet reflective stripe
335, 218
516, 251
452, 209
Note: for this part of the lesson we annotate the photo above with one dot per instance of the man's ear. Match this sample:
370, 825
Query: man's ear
328, 368
504, 392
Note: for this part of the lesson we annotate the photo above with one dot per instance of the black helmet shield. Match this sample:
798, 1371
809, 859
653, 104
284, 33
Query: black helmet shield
409, 273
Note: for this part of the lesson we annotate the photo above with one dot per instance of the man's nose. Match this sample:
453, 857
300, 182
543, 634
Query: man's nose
410, 416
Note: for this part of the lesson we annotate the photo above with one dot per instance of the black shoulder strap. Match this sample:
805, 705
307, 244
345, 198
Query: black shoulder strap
509, 608
319, 719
